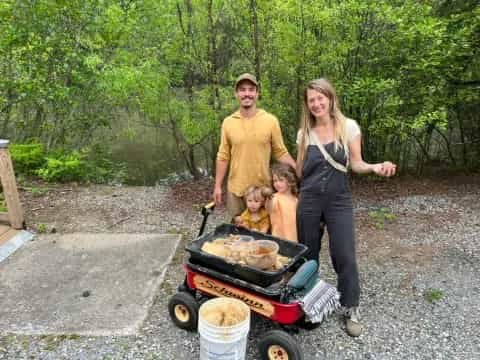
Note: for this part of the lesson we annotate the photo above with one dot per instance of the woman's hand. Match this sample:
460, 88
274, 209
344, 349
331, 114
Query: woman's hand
386, 169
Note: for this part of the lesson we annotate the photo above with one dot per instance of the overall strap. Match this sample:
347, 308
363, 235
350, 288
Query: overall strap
314, 141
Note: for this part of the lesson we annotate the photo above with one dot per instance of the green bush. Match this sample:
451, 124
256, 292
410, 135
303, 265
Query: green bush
89, 165
27, 158
3, 205
92, 164
67, 167
101, 169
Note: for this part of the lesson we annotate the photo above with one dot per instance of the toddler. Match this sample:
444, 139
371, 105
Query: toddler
282, 206
255, 217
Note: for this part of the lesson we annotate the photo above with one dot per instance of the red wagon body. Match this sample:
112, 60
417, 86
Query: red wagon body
274, 310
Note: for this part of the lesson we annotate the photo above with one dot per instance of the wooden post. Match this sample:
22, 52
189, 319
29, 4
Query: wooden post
7, 177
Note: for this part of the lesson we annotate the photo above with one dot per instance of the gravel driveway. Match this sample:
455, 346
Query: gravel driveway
418, 254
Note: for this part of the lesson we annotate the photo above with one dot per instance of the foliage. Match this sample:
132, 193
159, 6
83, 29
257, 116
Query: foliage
69, 167
100, 169
42, 228
90, 165
433, 295
408, 71
381, 216
3, 205
28, 157
37, 191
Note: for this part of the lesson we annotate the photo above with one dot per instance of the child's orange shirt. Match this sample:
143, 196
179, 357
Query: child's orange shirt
283, 216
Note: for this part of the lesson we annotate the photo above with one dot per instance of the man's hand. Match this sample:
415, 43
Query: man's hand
217, 195
288, 160
220, 172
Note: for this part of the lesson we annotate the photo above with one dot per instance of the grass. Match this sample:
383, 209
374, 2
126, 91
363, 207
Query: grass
155, 356
433, 295
124, 344
3, 205
53, 341
197, 207
37, 191
381, 217
42, 228
5, 340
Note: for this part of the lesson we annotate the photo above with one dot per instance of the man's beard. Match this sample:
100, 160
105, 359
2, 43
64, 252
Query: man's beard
249, 105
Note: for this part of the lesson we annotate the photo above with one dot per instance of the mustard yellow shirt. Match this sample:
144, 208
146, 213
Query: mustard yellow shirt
248, 144
262, 224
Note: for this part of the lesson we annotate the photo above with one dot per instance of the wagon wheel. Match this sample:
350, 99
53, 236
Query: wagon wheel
183, 309
278, 345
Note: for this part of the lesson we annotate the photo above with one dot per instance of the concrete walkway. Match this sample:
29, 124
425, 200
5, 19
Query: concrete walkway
86, 284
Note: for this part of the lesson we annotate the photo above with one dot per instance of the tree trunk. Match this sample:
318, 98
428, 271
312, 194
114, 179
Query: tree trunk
300, 67
256, 39
462, 139
192, 165
447, 145
35, 131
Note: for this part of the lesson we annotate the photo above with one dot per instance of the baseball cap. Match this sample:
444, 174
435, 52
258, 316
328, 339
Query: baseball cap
248, 77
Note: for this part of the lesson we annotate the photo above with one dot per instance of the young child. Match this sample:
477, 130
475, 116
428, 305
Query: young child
282, 206
255, 217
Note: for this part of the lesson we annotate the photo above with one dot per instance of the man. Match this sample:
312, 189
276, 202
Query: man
249, 138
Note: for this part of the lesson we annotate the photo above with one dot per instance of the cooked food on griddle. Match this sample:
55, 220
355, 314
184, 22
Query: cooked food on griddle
245, 250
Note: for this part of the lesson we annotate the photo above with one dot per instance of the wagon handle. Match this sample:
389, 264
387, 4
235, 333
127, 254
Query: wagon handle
206, 210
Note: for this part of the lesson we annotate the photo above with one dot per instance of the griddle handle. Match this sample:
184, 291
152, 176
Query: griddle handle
206, 210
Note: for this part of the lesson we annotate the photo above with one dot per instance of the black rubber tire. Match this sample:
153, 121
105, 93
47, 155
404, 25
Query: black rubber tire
203, 299
307, 325
190, 305
282, 339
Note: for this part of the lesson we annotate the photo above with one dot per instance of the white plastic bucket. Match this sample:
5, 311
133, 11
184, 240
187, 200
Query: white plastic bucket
223, 342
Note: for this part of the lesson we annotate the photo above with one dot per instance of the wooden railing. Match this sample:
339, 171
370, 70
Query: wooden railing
14, 214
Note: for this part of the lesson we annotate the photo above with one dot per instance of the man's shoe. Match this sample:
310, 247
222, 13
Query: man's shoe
352, 321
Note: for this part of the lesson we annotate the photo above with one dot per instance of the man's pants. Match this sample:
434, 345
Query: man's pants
337, 212
235, 206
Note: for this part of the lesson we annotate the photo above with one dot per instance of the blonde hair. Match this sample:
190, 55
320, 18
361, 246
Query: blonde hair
307, 120
256, 192
283, 171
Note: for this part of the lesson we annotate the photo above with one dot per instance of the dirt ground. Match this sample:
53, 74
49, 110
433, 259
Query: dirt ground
417, 246
97, 208
74, 207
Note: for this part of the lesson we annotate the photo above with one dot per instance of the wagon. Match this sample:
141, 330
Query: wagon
274, 295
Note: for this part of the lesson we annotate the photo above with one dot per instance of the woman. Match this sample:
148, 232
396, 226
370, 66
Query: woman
324, 192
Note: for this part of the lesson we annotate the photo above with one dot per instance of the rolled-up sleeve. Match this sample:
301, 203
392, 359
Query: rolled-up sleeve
299, 137
278, 147
224, 148
353, 130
